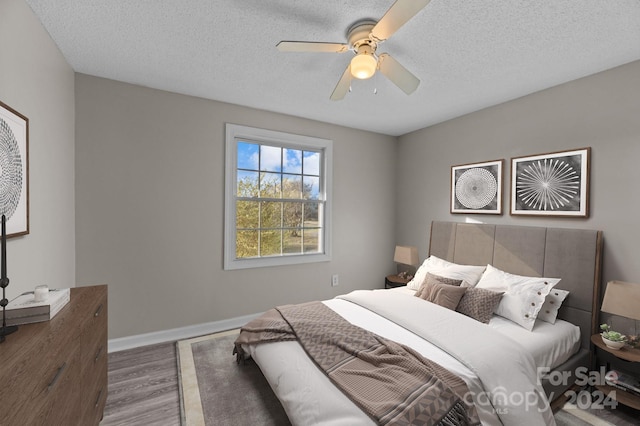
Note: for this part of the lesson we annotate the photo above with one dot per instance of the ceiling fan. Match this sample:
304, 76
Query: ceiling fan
364, 37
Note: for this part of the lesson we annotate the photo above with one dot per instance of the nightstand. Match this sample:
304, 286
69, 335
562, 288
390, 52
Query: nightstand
392, 281
627, 354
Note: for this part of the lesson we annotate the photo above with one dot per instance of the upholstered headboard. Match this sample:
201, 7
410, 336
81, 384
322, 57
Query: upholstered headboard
574, 255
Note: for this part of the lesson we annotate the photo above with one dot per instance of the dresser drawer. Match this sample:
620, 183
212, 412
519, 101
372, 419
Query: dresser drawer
63, 396
94, 333
34, 378
55, 372
57, 398
94, 352
93, 404
94, 371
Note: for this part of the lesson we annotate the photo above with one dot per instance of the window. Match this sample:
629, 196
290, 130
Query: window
277, 198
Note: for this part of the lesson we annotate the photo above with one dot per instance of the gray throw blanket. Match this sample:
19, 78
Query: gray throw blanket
390, 382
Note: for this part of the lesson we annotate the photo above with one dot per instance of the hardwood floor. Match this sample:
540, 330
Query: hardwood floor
143, 390
143, 387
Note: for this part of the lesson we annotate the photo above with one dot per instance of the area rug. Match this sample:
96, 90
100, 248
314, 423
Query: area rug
215, 390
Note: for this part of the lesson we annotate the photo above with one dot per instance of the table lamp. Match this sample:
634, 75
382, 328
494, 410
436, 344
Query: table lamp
622, 299
406, 258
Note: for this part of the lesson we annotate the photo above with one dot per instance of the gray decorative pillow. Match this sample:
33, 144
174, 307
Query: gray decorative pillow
479, 303
445, 295
431, 279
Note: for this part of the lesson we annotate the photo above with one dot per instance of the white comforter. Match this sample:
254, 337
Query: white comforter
500, 375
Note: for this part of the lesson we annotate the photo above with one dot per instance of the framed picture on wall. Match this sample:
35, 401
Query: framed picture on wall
555, 184
14, 170
477, 188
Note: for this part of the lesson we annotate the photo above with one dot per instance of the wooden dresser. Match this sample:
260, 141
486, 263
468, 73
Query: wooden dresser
55, 372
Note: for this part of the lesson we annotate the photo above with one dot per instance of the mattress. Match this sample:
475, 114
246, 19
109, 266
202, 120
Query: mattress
297, 381
549, 344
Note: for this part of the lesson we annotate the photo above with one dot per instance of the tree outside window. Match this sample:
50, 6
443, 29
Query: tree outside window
279, 202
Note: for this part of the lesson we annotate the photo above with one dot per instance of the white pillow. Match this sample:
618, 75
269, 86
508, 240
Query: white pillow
468, 273
523, 296
551, 306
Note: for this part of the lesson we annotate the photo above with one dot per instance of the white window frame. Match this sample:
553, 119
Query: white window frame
234, 133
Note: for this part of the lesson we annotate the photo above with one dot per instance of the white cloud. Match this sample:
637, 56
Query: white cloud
270, 158
311, 163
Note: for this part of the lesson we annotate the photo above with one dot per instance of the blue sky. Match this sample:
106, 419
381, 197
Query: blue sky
266, 158
292, 160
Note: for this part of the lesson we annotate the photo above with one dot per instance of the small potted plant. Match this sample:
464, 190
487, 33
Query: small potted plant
633, 341
612, 339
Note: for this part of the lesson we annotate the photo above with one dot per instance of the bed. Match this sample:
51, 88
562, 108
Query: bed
505, 366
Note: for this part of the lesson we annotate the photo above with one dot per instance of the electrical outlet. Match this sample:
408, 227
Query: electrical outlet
334, 280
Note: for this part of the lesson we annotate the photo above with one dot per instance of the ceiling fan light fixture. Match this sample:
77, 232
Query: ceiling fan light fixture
363, 38
364, 64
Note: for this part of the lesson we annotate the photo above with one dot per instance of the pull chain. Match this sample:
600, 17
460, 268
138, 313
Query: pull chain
375, 83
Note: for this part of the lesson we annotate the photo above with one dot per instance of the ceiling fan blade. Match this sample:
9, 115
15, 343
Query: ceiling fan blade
398, 74
397, 15
311, 46
343, 85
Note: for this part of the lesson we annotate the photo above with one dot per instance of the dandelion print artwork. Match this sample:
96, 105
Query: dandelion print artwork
551, 184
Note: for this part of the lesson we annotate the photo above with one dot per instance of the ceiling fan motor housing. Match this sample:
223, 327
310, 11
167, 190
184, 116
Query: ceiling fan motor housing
360, 33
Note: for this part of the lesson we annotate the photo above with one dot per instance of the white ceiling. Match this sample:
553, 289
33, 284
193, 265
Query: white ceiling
468, 54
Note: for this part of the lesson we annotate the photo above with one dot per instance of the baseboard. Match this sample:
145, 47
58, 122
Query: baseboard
130, 342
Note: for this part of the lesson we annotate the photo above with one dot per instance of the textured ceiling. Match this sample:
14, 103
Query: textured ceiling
468, 54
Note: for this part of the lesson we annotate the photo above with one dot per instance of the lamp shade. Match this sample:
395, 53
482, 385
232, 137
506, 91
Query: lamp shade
364, 64
406, 255
623, 299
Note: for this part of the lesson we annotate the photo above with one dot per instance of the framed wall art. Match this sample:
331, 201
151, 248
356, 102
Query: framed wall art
14, 170
477, 188
555, 184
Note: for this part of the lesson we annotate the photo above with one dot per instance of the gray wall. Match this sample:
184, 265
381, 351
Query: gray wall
600, 111
149, 209
149, 185
36, 81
